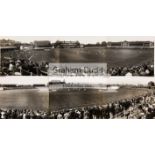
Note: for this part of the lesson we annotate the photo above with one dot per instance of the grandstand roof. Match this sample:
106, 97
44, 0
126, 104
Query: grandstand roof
8, 47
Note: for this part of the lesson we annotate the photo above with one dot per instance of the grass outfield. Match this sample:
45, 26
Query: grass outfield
113, 57
64, 99
25, 98
38, 99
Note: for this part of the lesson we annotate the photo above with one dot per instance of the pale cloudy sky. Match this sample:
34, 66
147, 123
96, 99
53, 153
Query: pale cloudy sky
82, 39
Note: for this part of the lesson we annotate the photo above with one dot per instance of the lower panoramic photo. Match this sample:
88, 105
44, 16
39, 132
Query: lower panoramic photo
63, 98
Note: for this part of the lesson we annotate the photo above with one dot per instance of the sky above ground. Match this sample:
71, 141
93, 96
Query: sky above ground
82, 39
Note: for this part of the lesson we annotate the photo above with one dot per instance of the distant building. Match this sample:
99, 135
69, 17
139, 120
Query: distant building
125, 44
131, 44
67, 44
9, 45
114, 44
42, 44
8, 48
142, 44
136, 43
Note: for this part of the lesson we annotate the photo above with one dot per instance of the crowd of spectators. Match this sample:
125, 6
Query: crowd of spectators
138, 107
138, 70
22, 114
141, 107
27, 67
23, 67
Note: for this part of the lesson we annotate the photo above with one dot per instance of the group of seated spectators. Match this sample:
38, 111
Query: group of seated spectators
26, 67
138, 70
23, 67
141, 107
23, 114
138, 107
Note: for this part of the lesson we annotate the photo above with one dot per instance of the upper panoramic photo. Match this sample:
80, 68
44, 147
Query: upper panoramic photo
31, 56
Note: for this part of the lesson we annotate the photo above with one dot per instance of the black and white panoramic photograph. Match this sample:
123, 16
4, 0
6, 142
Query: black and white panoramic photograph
77, 78
31, 56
